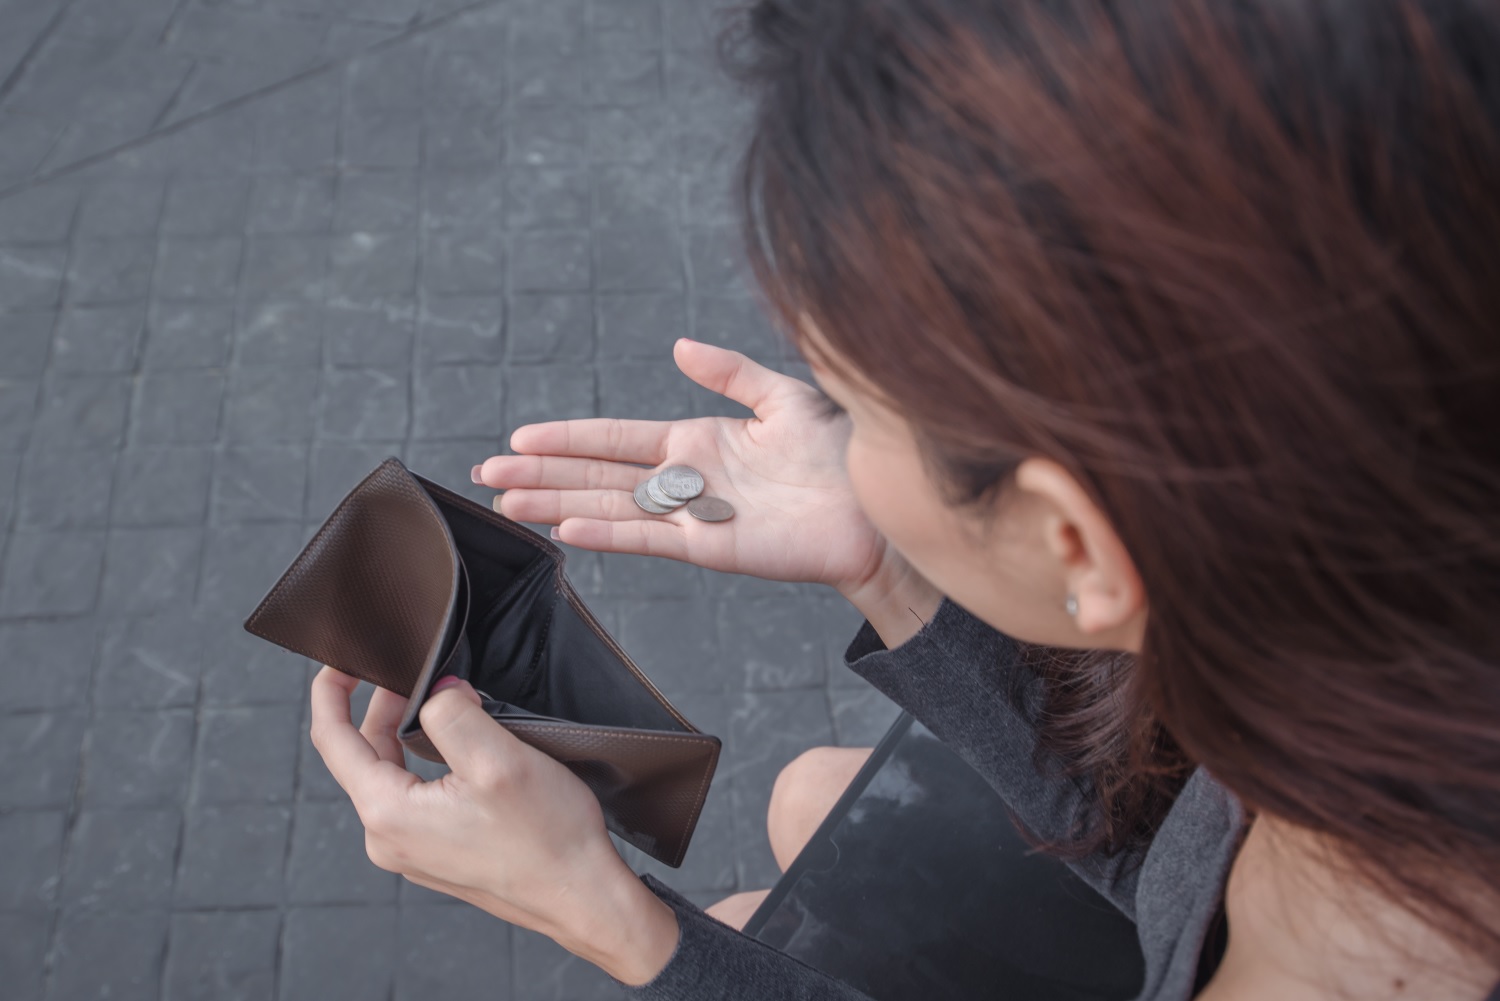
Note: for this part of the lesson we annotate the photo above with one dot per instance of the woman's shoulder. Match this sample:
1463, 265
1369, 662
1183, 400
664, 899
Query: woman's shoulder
1180, 892
1197, 841
1205, 806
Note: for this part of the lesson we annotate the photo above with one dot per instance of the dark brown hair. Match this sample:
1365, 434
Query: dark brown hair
1236, 265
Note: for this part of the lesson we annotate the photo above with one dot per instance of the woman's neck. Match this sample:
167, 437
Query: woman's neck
1300, 930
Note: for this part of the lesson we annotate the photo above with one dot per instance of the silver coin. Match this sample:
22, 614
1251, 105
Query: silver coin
645, 503
655, 492
710, 509
680, 482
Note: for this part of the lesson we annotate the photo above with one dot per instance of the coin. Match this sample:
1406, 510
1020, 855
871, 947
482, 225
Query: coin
680, 482
710, 509
645, 503
657, 495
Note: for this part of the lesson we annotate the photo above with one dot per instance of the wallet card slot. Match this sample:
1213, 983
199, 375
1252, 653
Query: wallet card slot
509, 634
510, 556
505, 712
581, 680
579, 610
474, 527
532, 650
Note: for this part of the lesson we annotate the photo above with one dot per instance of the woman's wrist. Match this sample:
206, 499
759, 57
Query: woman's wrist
624, 929
896, 600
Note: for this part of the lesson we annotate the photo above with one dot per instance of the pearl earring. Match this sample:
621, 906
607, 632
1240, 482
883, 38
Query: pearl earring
1072, 605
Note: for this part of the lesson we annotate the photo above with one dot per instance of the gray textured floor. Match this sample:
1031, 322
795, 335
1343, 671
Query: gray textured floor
248, 248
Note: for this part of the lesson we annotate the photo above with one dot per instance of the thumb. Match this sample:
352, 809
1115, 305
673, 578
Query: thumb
727, 373
454, 720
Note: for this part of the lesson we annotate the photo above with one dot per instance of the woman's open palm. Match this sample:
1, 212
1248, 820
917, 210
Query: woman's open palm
783, 470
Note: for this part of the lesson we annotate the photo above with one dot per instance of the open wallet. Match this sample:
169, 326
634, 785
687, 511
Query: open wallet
407, 582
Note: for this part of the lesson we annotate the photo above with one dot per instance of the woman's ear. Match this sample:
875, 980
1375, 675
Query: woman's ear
1108, 601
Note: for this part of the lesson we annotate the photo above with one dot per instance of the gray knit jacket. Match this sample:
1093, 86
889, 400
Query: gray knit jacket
957, 676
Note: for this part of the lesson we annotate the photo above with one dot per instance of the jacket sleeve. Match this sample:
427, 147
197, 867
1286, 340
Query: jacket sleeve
713, 960
967, 684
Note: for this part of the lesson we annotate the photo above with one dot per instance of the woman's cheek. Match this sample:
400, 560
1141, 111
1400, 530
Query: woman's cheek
891, 484
871, 486
890, 487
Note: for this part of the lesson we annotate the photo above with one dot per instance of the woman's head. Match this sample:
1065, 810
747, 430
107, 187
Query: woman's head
1046, 566
1228, 267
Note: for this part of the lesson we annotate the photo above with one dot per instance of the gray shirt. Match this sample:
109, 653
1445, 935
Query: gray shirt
957, 676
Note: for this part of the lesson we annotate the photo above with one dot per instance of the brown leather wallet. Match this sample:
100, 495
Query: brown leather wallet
408, 582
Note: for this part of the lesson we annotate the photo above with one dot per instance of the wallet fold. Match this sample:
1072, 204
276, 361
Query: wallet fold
408, 582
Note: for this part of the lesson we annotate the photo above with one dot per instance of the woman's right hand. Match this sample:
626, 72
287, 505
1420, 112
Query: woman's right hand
783, 470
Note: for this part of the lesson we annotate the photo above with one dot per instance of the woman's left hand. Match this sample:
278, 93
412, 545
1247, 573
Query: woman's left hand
508, 829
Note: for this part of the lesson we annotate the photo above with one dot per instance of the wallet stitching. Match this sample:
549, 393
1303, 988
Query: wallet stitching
687, 738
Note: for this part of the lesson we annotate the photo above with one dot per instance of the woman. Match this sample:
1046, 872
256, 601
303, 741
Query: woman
1166, 335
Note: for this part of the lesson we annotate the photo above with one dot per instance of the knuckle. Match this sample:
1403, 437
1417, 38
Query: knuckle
374, 820
380, 854
378, 819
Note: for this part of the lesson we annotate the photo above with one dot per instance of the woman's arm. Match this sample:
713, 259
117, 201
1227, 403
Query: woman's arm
895, 600
516, 834
715, 961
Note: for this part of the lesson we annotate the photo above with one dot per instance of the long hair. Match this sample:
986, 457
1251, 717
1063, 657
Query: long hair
1236, 265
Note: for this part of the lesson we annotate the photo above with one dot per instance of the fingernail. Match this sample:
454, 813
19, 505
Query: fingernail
446, 682
495, 504
474, 474
556, 535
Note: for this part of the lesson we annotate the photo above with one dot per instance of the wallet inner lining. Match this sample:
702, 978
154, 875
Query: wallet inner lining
530, 649
508, 626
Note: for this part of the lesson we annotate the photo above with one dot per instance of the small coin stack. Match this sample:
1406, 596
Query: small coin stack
677, 486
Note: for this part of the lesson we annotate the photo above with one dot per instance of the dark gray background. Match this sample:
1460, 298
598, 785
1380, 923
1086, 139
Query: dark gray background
248, 248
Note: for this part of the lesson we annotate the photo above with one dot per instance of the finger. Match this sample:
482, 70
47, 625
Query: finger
653, 537
644, 442
729, 373
551, 507
508, 472
347, 754
467, 737
380, 723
